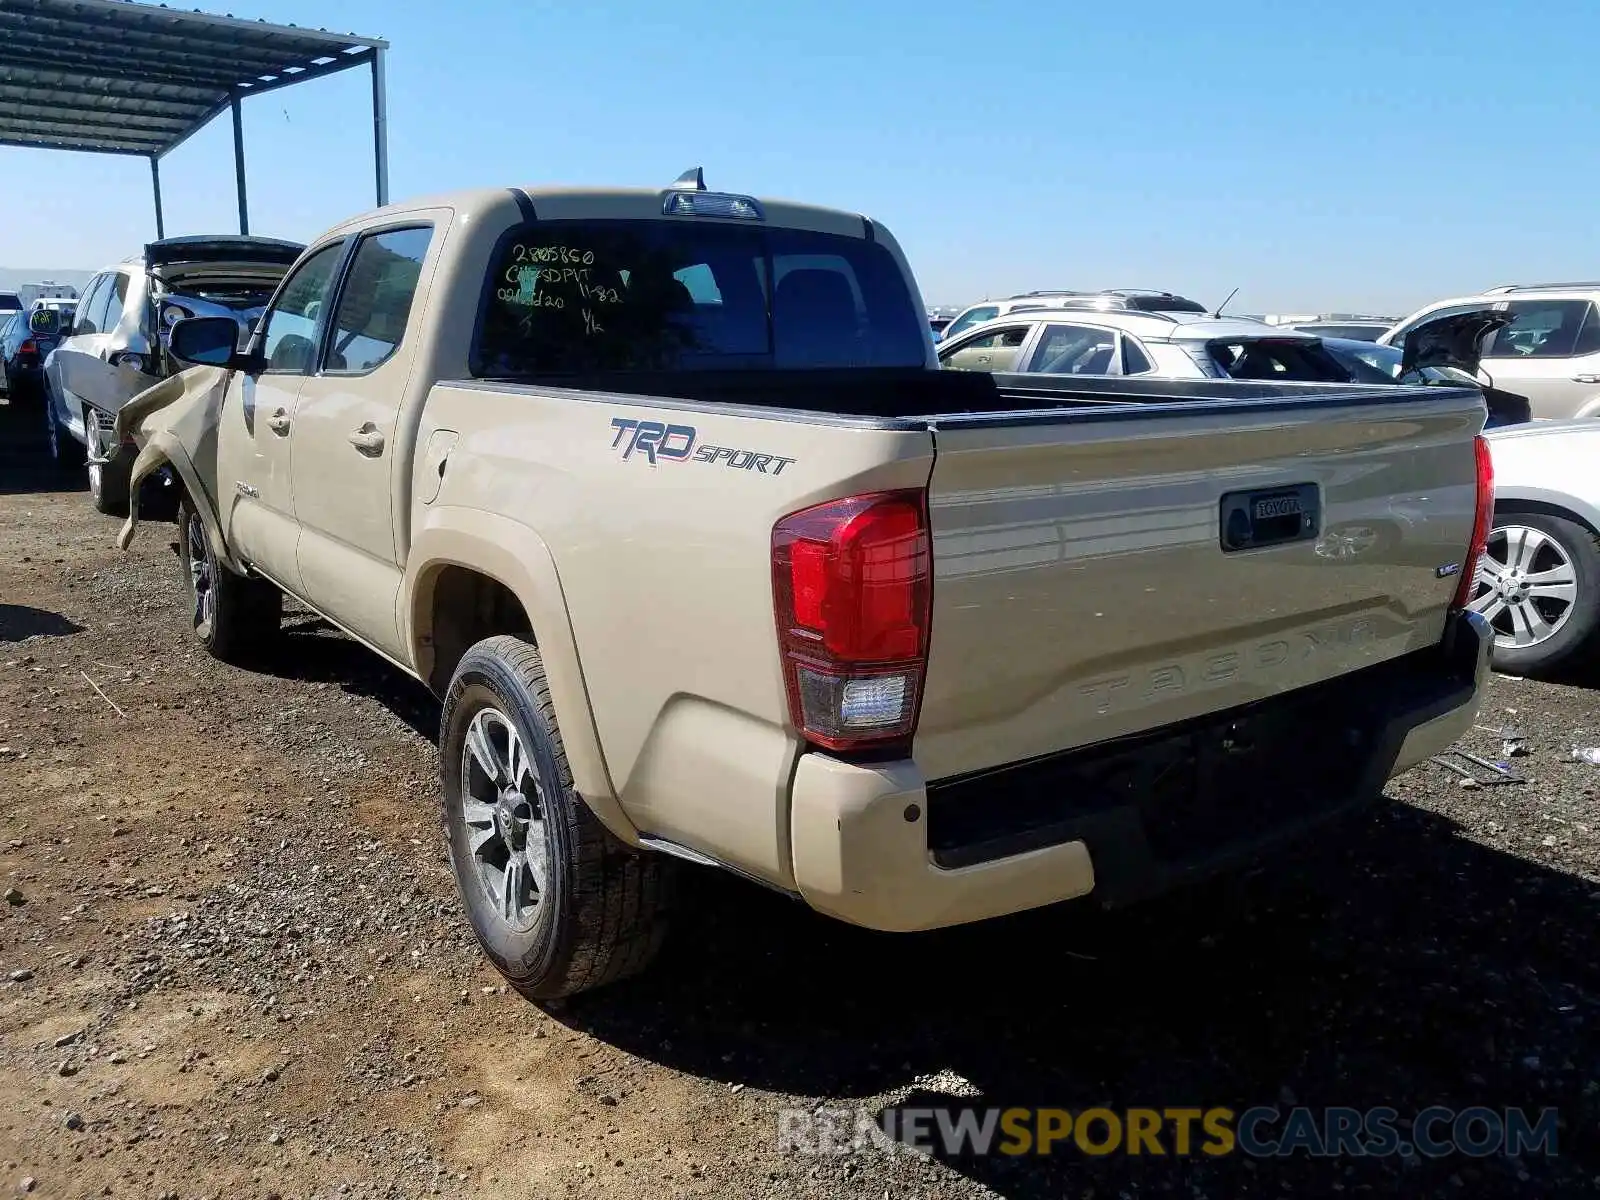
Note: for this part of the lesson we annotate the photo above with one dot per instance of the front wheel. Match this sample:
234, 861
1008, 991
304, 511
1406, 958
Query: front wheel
108, 481
233, 617
1538, 586
559, 905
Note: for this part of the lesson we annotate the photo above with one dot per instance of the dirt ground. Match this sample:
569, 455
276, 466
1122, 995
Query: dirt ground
232, 962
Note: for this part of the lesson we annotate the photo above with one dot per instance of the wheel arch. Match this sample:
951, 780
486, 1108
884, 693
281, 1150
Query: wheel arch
471, 575
1549, 504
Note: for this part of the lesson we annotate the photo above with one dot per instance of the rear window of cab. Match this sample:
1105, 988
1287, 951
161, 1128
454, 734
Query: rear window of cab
574, 297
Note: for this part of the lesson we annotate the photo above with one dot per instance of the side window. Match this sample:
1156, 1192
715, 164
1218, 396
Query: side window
967, 320
1589, 336
1000, 339
1540, 329
1134, 360
116, 293
375, 303
289, 339
83, 322
1075, 350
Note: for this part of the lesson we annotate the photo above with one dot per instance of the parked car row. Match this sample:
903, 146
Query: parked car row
1075, 337
86, 358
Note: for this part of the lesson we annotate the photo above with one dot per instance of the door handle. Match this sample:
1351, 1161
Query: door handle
278, 422
367, 440
1586, 379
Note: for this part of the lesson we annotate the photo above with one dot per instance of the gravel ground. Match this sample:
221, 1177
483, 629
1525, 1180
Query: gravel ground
232, 962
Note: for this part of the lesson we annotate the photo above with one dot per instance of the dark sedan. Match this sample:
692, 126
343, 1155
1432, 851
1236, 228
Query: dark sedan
22, 354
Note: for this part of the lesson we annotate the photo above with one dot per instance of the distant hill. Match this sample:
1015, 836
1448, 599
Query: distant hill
12, 278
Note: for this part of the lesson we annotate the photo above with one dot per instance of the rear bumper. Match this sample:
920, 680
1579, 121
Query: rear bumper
880, 847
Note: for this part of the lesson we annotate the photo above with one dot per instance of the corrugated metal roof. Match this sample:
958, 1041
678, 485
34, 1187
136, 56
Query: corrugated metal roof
118, 77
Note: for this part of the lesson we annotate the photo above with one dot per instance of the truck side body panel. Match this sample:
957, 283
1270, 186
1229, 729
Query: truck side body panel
665, 569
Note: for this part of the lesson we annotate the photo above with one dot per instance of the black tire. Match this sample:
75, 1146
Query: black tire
1577, 624
158, 498
65, 450
108, 482
242, 617
602, 913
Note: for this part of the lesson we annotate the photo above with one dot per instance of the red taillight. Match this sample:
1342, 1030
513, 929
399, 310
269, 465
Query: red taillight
852, 587
1481, 521
29, 346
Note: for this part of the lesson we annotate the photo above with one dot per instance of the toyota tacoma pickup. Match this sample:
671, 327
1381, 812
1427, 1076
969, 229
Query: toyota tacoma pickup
662, 492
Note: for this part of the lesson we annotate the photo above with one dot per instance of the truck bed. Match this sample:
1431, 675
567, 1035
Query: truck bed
922, 398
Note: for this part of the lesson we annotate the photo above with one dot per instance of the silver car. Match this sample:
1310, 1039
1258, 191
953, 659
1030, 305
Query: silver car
1550, 352
116, 345
1180, 345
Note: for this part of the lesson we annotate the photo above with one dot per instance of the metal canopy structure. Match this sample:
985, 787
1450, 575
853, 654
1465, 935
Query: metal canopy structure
119, 77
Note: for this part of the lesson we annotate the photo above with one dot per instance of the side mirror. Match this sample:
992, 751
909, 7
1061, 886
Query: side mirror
209, 342
44, 320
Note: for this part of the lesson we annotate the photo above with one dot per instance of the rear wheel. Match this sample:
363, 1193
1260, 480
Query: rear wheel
1538, 586
558, 904
235, 618
65, 450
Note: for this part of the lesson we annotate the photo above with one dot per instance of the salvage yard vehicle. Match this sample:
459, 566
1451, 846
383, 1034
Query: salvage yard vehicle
1070, 340
1538, 583
25, 340
116, 345
1549, 350
663, 493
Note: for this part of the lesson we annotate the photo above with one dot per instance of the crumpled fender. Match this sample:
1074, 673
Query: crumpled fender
174, 423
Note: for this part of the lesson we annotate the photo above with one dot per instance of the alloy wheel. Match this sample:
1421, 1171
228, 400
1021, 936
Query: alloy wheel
1526, 586
503, 805
202, 576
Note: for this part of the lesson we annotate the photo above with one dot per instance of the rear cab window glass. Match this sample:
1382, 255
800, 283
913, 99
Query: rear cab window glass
573, 297
375, 302
1540, 329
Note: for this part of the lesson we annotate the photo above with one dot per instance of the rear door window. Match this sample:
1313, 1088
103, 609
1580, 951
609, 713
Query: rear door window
1075, 350
570, 297
375, 303
1540, 329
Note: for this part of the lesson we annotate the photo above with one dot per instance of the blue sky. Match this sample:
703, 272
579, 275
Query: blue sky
1371, 161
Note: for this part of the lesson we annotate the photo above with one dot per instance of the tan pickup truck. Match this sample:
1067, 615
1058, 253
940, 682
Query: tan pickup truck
662, 492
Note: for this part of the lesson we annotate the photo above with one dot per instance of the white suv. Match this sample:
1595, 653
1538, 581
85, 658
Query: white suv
1550, 352
1109, 300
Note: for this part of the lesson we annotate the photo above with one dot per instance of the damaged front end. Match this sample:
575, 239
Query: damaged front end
174, 424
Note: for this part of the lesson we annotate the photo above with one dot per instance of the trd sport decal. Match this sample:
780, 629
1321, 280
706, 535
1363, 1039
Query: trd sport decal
676, 443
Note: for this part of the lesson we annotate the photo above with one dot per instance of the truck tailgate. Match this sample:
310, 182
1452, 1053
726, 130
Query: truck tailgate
1083, 589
